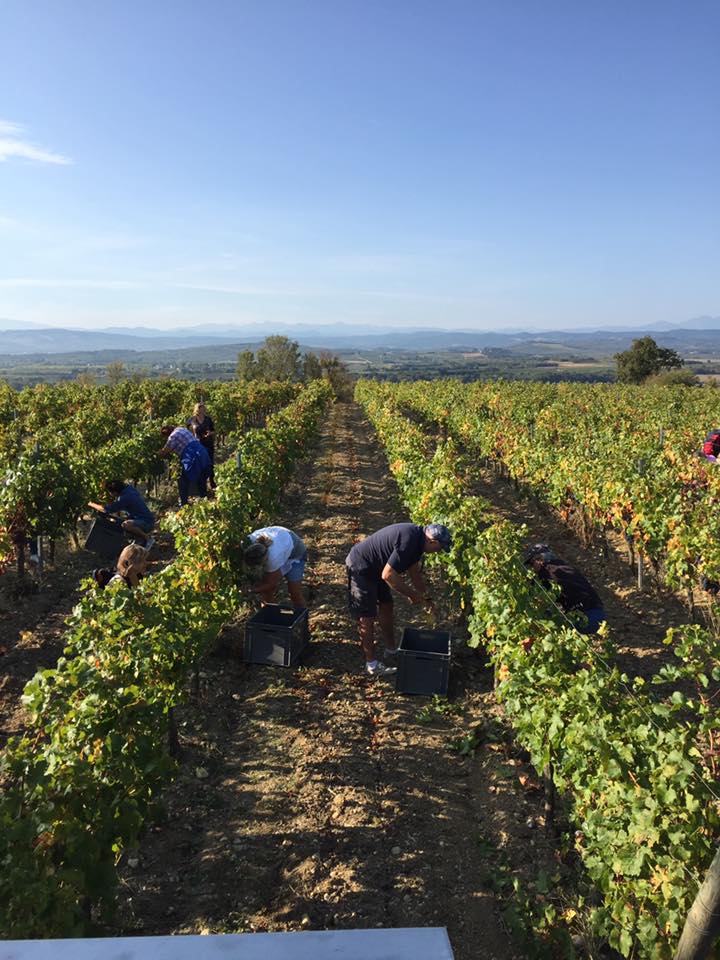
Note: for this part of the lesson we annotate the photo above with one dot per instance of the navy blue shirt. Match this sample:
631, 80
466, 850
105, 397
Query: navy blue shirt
132, 503
576, 592
401, 545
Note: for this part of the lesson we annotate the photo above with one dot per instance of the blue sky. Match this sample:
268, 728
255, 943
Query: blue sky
374, 162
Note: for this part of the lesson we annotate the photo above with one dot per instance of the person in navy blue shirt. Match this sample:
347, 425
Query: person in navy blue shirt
140, 521
576, 593
375, 567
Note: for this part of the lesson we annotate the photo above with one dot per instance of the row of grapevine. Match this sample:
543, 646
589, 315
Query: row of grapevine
68, 440
102, 411
633, 763
80, 785
623, 458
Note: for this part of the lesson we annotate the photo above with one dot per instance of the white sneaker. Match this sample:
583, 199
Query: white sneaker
379, 670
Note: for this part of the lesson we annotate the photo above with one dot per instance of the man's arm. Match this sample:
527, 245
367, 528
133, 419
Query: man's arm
165, 452
417, 579
395, 580
97, 506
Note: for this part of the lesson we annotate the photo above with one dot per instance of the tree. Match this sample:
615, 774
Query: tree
246, 366
115, 372
311, 367
643, 359
279, 359
334, 370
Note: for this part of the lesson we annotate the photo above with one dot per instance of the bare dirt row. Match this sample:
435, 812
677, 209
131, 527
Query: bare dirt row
313, 797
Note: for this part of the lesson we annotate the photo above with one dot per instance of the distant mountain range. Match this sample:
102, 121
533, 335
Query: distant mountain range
701, 335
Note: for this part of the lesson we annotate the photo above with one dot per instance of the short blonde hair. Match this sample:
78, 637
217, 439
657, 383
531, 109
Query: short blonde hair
130, 556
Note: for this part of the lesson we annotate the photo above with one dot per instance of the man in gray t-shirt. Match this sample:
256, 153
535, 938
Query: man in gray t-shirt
375, 567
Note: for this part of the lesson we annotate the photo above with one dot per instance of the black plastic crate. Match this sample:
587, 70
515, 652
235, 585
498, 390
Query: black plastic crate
423, 662
276, 634
106, 538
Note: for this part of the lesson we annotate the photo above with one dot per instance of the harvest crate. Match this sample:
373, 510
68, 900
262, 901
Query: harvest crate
276, 634
423, 662
106, 538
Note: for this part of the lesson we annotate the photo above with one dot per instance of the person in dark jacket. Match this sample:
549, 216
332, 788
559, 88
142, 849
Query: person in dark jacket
201, 424
375, 567
128, 500
576, 592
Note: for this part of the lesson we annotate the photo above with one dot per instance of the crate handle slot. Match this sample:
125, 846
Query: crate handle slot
427, 656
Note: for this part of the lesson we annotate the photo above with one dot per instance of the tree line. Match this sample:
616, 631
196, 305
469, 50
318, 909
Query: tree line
280, 358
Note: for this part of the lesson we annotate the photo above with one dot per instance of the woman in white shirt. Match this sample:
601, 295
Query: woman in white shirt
276, 552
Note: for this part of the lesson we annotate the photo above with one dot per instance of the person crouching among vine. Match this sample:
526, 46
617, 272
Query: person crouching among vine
577, 594
131, 568
140, 521
711, 446
273, 553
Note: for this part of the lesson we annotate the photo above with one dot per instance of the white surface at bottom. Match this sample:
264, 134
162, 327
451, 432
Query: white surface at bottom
410, 943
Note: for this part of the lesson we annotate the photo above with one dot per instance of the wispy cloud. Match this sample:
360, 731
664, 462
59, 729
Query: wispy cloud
14, 145
44, 283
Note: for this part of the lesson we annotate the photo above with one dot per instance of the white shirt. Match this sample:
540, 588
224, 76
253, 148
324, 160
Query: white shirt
278, 555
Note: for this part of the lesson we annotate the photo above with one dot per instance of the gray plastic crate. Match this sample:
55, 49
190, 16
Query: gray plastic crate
276, 634
106, 538
423, 662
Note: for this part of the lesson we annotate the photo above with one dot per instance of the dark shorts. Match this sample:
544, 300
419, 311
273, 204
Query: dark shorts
144, 525
594, 618
365, 592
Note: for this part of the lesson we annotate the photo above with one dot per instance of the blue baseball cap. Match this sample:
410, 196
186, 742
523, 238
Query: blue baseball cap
439, 533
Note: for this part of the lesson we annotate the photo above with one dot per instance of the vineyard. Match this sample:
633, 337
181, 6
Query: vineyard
557, 804
62, 442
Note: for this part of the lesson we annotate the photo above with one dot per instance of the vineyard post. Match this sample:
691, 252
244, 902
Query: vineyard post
173, 738
661, 436
702, 926
631, 548
549, 787
41, 559
19, 543
640, 571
